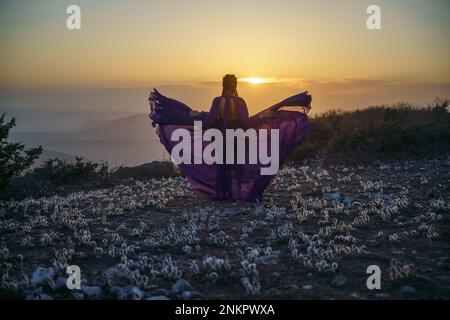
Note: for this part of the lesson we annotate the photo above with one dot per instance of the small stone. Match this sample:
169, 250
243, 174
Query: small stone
42, 276
339, 280
161, 292
187, 295
180, 286
347, 201
158, 298
333, 196
78, 295
307, 287
309, 275
91, 292
407, 290
136, 293
45, 296
114, 272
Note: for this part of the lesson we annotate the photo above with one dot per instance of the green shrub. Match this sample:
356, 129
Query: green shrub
13, 156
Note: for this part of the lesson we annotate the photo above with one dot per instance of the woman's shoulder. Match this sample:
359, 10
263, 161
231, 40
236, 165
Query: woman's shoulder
216, 100
240, 100
235, 98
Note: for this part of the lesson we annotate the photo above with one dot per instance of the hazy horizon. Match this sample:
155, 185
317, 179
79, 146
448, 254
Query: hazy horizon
80, 108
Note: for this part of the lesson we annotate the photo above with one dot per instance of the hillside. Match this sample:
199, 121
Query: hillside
401, 131
130, 140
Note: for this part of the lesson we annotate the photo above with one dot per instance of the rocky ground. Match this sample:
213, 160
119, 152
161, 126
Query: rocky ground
313, 237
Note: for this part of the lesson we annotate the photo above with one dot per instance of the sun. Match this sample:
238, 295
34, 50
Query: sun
253, 80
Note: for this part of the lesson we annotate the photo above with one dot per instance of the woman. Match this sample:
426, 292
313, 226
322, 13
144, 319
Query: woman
229, 111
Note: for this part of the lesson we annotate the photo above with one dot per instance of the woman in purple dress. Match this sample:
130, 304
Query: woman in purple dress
231, 181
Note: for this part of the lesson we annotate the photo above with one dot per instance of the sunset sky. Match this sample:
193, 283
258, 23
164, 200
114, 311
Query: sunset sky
323, 46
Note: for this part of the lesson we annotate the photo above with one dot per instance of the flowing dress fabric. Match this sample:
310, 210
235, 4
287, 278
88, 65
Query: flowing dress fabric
231, 181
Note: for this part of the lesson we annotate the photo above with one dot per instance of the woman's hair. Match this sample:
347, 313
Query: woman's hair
229, 84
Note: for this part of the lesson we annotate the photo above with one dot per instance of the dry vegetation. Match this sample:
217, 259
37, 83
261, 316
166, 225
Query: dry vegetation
402, 131
313, 237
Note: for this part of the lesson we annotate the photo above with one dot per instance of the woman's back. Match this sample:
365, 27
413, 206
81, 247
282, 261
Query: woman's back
231, 112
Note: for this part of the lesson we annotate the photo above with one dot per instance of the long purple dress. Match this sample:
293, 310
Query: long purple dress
231, 181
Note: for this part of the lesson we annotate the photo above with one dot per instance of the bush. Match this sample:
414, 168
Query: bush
13, 156
57, 176
385, 132
67, 173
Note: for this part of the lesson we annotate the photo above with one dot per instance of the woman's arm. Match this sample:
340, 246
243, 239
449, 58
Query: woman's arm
302, 100
194, 113
266, 114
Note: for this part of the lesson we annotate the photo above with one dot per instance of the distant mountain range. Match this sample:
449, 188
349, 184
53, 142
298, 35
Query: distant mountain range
129, 141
